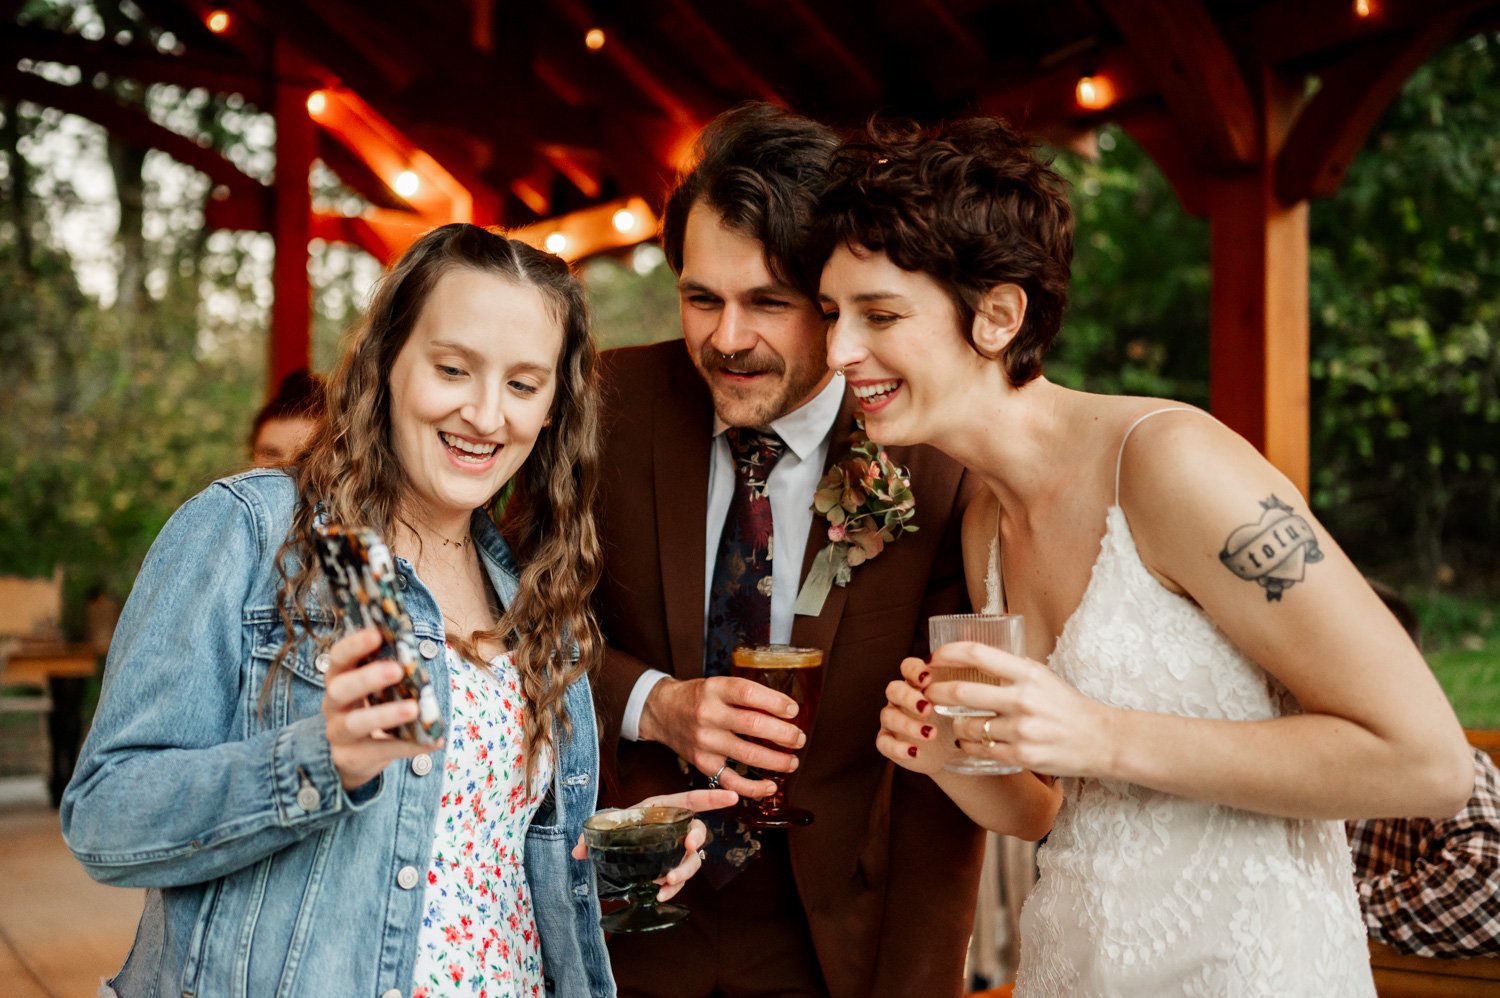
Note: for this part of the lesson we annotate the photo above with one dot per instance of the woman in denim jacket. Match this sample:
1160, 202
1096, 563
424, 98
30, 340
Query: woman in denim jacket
237, 767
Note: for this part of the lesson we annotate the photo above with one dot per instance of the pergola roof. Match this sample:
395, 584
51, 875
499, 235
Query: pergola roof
510, 100
504, 113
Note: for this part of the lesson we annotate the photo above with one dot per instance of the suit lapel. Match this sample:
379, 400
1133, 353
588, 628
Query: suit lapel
682, 433
818, 632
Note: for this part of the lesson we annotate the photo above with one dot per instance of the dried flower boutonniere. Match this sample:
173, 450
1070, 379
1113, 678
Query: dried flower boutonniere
866, 499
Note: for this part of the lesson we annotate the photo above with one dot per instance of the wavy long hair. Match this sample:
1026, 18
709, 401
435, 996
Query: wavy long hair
351, 473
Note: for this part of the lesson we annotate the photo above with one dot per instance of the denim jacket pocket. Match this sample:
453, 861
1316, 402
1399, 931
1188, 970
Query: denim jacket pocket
296, 694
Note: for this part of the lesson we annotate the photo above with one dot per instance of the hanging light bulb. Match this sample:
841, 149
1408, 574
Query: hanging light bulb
217, 21
624, 221
556, 242
1094, 93
407, 183
1363, 8
594, 39
317, 103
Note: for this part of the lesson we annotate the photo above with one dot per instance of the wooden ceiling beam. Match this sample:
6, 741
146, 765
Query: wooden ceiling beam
1157, 133
1179, 46
721, 53
355, 173
1290, 31
185, 22
133, 126
1332, 128
635, 68
869, 88
1050, 93
969, 46
136, 61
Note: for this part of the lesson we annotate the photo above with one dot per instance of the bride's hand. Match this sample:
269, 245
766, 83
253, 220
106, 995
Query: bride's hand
1043, 724
911, 734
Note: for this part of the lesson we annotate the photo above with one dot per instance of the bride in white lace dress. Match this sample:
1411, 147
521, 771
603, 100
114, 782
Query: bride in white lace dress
1208, 676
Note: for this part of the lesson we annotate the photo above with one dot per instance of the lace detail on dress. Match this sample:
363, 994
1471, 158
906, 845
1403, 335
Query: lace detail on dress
1147, 894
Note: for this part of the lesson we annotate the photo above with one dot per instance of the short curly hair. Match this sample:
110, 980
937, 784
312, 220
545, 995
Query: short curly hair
761, 168
967, 203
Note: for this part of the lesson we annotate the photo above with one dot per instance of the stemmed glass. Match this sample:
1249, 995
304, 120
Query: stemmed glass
633, 847
1005, 631
798, 673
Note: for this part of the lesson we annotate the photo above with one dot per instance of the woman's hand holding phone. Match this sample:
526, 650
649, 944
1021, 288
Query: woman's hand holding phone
357, 738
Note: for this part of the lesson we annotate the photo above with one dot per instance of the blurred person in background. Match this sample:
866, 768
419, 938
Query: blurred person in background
283, 428
1429, 887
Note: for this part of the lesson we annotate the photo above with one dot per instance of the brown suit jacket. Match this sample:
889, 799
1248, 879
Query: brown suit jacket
888, 872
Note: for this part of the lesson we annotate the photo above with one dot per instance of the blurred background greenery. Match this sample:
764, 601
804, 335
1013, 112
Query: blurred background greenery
133, 342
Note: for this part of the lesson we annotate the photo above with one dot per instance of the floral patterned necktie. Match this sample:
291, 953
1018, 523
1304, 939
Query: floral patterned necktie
739, 604
739, 613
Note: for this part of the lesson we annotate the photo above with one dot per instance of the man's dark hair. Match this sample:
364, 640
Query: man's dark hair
761, 168
299, 396
967, 203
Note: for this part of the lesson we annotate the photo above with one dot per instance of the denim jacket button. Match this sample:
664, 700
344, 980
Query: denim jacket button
422, 764
428, 648
406, 877
321, 663
308, 798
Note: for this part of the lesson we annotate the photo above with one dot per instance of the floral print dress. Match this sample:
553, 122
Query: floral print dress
478, 937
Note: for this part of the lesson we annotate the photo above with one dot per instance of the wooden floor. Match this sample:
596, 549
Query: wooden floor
60, 932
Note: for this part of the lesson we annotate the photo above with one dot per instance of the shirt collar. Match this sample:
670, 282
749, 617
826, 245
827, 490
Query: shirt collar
804, 428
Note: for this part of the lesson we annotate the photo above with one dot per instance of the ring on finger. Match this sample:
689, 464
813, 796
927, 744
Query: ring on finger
713, 781
989, 739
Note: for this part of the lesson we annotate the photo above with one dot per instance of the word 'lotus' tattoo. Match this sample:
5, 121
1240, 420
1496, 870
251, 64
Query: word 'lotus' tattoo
1273, 552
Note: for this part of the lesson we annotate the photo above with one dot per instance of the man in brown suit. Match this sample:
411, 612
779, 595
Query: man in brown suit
876, 896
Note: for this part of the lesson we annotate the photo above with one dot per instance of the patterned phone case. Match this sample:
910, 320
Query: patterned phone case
362, 577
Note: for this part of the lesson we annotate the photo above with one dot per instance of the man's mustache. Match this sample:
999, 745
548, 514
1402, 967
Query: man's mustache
711, 360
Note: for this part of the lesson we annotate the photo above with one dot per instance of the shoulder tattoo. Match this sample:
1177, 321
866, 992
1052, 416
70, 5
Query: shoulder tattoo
1274, 551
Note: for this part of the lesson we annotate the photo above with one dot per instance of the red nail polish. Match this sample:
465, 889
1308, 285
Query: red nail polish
923, 678
911, 750
921, 706
926, 731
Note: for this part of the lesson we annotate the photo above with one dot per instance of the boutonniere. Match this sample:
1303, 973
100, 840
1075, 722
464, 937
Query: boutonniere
866, 499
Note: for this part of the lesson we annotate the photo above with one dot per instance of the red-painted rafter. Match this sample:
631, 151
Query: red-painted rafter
131, 125
1178, 45
1354, 93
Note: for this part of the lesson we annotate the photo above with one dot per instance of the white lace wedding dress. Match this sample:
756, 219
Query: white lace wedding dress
1146, 894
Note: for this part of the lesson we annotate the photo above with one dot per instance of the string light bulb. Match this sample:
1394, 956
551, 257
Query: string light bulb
1363, 8
217, 21
624, 221
407, 183
556, 242
594, 39
1094, 93
317, 103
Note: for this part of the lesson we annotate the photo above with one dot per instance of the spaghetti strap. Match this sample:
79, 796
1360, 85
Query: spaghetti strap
994, 586
1120, 457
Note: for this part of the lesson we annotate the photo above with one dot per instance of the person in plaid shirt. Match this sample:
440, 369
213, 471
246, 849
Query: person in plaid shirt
1426, 887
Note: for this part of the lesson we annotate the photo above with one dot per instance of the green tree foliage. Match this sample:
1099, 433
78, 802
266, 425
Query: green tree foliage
1405, 290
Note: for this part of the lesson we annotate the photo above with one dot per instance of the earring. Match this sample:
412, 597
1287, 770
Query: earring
839, 371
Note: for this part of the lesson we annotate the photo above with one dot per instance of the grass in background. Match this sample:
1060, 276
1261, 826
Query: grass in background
1461, 638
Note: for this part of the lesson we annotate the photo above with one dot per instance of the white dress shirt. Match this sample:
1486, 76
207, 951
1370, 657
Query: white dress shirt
793, 481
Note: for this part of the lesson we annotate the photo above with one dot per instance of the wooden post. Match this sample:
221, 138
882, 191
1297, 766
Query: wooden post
1258, 382
296, 143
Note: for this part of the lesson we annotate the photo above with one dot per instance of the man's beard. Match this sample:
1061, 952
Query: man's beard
758, 404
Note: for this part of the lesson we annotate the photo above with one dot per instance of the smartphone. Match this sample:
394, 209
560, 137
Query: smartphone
362, 577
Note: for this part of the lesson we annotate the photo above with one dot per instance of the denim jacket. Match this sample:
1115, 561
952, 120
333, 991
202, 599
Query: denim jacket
264, 876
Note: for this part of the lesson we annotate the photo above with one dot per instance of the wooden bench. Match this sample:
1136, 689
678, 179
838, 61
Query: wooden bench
1398, 975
